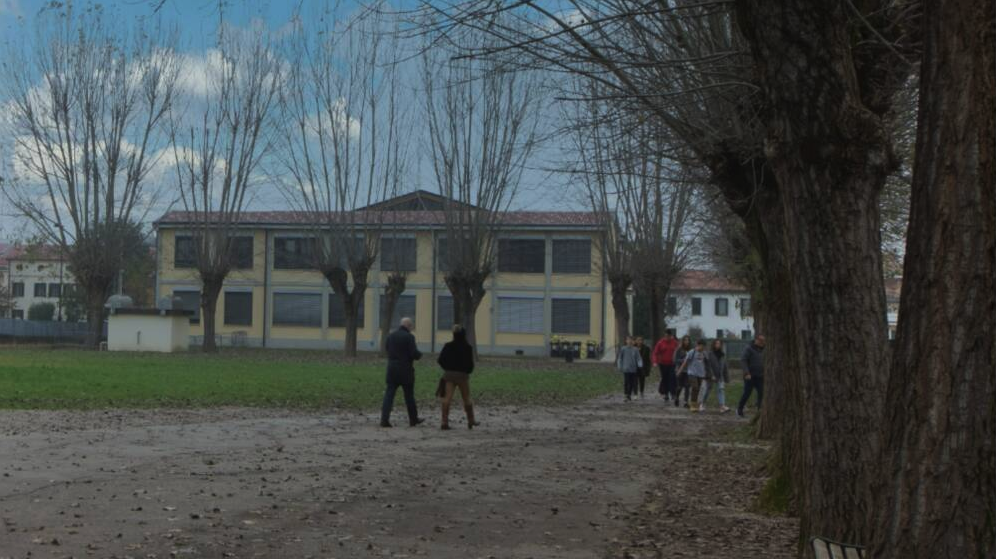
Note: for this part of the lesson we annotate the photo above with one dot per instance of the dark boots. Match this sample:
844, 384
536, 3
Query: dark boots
471, 423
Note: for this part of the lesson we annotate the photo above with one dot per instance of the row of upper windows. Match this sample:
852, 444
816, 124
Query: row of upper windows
42, 289
525, 256
523, 315
721, 306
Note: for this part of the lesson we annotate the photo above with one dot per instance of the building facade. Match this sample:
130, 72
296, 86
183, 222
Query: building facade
547, 282
705, 304
34, 275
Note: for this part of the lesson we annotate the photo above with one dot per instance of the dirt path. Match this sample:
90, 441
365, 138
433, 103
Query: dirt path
577, 482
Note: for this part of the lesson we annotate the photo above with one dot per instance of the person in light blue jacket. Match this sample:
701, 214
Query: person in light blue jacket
629, 363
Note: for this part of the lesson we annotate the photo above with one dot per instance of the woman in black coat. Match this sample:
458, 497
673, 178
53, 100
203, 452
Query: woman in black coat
457, 361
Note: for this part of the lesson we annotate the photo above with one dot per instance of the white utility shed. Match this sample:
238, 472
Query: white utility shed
148, 330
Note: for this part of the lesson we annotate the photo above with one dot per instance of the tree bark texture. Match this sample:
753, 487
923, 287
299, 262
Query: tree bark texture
936, 493
619, 285
210, 291
468, 291
751, 191
830, 155
393, 289
351, 300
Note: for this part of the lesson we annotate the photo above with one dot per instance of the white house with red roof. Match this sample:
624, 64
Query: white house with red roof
707, 302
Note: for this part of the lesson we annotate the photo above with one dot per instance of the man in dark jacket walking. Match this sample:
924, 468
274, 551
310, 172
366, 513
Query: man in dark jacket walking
753, 364
402, 352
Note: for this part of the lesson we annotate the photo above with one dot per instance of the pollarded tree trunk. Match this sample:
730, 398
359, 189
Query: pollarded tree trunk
619, 285
351, 300
468, 291
937, 494
393, 289
830, 155
210, 291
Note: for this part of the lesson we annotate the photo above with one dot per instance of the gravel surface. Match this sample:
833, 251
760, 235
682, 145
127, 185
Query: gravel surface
602, 479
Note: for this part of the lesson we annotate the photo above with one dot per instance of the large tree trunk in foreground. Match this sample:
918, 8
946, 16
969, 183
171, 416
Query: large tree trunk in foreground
936, 499
830, 154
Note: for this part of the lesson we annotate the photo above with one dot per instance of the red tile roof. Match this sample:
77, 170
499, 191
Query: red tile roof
413, 218
704, 280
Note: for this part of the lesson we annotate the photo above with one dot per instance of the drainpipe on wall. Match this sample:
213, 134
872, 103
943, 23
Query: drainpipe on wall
432, 337
266, 285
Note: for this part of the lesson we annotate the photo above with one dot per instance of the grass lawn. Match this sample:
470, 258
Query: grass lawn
45, 378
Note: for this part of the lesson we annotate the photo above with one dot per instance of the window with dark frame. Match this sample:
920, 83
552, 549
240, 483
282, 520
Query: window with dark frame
571, 316
572, 256
337, 312
444, 312
398, 254
41, 289
696, 306
297, 309
184, 252
294, 253
522, 256
242, 252
722, 306
672, 306
189, 301
18, 289
442, 255
238, 308
404, 307
720, 334
746, 335
17, 313
520, 315
55, 290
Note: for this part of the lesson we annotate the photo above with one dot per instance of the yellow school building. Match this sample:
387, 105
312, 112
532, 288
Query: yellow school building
548, 284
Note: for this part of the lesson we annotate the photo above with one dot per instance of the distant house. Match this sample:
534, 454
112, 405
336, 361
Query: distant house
548, 280
35, 274
705, 302
893, 287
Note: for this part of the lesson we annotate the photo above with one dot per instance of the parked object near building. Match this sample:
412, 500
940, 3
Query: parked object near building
548, 280
162, 330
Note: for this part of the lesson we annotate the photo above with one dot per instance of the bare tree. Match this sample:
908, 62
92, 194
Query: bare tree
217, 157
937, 485
85, 113
482, 129
786, 105
627, 175
346, 130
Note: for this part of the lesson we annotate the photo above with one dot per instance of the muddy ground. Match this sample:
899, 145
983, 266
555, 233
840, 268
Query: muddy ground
602, 479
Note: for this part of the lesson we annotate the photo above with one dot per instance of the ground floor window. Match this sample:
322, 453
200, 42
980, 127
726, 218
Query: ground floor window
444, 312
238, 308
404, 307
571, 316
520, 315
297, 309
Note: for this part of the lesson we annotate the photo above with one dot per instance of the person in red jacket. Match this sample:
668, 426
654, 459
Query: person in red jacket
663, 357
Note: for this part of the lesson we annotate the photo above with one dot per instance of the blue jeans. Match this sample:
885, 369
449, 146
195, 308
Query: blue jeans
385, 408
749, 386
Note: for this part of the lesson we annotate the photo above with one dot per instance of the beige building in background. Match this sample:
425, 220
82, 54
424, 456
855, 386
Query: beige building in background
549, 281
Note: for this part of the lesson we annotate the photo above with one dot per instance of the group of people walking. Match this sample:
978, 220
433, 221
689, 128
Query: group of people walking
456, 360
689, 373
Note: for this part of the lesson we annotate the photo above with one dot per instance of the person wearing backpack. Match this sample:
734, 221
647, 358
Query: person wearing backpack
694, 364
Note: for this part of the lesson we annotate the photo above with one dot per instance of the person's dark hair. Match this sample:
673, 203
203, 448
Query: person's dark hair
686, 342
700, 343
716, 342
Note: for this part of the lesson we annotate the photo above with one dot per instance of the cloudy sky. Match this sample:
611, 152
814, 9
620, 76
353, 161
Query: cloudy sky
197, 22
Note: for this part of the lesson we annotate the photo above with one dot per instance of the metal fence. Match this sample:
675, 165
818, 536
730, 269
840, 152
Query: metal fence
44, 330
